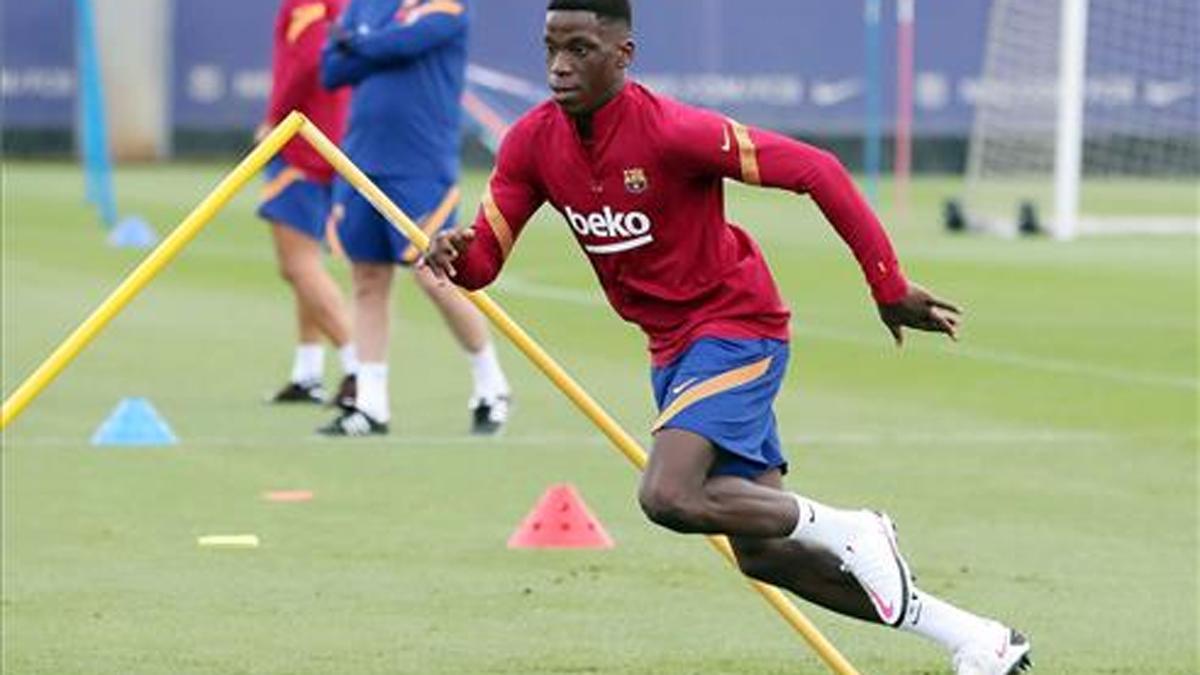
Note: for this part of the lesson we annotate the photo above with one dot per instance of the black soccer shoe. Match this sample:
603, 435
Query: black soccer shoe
299, 392
354, 423
489, 415
347, 394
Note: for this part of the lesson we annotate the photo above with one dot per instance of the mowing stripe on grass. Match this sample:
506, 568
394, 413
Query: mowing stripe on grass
576, 296
979, 437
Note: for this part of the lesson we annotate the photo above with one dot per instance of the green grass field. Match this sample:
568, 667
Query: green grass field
1043, 470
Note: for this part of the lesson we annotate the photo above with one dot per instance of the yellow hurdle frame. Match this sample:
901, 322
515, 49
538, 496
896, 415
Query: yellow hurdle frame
165, 253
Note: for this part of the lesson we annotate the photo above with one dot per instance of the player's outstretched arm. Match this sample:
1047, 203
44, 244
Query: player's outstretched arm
921, 310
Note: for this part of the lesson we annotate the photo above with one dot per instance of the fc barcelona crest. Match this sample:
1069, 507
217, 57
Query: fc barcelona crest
635, 181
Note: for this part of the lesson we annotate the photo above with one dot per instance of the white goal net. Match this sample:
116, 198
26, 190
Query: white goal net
1088, 116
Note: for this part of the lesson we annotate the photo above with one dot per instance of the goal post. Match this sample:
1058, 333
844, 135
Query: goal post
1087, 118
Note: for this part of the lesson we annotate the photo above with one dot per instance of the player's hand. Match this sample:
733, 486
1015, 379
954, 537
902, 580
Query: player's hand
341, 38
261, 132
919, 309
444, 249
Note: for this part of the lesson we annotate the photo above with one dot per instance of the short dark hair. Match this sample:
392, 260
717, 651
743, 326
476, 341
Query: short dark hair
605, 9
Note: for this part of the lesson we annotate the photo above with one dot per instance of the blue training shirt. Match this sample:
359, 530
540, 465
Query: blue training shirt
406, 60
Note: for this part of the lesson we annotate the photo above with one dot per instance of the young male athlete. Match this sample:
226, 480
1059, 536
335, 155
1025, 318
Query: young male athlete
296, 198
638, 179
406, 60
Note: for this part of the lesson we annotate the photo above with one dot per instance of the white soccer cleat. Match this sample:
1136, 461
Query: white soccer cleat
1002, 651
873, 558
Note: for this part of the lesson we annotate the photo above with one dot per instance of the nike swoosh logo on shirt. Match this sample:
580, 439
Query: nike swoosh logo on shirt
726, 144
685, 385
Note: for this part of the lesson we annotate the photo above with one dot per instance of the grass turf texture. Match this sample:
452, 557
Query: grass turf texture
1042, 471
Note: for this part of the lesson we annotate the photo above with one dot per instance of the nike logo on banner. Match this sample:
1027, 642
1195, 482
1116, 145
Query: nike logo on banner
726, 144
689, 382
826, 94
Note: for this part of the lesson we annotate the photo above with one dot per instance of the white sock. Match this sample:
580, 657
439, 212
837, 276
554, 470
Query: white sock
349, 357
825, 526
372, 395
489, 378
942, 622
309, 363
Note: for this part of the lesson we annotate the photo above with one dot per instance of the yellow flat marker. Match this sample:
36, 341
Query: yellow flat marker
228, 541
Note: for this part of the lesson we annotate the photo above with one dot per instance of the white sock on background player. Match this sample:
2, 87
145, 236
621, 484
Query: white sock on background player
309, 364
489, 378
349, 358
373, 391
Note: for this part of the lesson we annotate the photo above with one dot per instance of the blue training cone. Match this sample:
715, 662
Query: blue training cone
132, 232
134, 422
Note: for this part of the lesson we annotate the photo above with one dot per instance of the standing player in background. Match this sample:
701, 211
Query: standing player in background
406, 60
639, 179
296, 198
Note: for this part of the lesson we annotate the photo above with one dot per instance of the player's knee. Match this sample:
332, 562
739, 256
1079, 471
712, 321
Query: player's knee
296, 273
372, 283
669, 507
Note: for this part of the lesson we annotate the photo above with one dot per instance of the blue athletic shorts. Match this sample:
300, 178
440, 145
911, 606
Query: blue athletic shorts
366, 236
723, 389
291, 199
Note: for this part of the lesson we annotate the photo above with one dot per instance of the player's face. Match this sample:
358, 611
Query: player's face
586, 59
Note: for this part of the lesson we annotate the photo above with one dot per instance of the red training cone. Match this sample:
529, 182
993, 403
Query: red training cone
560, 520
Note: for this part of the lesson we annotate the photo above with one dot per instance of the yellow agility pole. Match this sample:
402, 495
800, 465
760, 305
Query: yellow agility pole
150, 268
582, 400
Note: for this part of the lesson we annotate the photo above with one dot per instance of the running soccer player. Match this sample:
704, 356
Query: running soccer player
296, 198
639, 180
406, 60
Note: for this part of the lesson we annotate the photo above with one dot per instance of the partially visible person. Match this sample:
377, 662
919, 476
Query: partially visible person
406, 61
296, 199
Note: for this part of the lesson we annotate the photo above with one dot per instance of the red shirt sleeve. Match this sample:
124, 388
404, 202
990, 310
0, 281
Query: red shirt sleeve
704, 143
513, 195
300, 31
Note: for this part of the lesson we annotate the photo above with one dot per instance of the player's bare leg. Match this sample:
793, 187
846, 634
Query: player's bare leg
490, 398
677, 493
464, 320
845, 561
809, 571
301, 264
372, 311
371, 412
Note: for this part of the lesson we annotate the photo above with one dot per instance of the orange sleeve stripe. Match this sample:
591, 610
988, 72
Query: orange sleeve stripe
434, 221
303, 17
498, 223
280, 183
438, 7
711, 387
747, 153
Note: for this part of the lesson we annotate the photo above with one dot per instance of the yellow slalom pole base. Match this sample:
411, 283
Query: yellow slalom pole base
620, 438
149, 268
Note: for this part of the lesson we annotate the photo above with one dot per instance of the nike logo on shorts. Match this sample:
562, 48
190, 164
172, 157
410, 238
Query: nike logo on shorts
687, 383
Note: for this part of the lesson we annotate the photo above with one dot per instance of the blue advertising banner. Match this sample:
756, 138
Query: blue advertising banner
221, 75
791, 64
796, 65
37, 63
